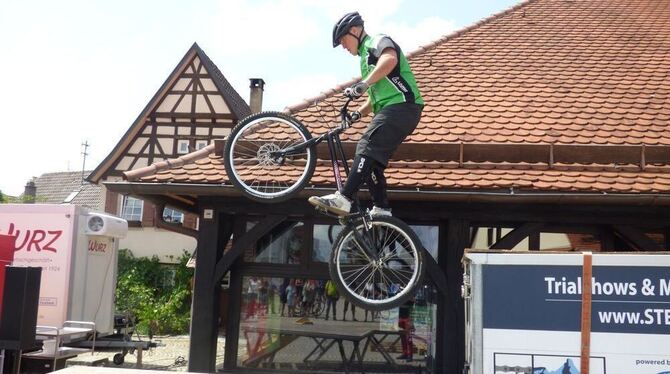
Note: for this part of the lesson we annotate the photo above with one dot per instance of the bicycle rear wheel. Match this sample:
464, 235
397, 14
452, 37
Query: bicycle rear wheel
252, 162
395, 275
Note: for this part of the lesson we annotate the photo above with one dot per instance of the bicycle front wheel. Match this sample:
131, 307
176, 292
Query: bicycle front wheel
255, 163
394, 275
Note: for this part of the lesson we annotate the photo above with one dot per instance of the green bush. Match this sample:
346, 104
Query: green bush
159, 295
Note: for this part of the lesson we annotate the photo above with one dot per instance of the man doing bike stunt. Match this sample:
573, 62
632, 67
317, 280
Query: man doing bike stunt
395, 100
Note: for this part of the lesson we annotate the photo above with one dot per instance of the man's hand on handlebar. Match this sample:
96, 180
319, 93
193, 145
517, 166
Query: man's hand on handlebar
352, 118
356, 90
355, 116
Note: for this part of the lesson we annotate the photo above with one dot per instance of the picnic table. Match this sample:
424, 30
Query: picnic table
264, 342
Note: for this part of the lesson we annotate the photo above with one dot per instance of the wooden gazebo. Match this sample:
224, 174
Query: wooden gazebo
550, 117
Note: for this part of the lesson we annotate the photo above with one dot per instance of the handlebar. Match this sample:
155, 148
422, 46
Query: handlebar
354, 91
345, 119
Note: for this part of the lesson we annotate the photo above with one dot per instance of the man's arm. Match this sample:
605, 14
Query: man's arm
366, 108
386, 63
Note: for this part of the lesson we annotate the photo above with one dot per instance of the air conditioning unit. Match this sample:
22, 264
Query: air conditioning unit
106, 225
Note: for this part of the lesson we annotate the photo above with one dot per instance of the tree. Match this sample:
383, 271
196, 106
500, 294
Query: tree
2, 197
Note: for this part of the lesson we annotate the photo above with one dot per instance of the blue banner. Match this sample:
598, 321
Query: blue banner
625, 299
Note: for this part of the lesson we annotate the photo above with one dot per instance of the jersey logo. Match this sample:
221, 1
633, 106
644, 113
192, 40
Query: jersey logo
398, 83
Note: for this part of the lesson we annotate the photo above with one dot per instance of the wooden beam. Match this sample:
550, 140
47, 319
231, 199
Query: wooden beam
181, 198
606, 236
214, 233
435, 273
515, 236
534, 241
450, 329
195, 116
169, 201
637, 238
174, 227
248, 239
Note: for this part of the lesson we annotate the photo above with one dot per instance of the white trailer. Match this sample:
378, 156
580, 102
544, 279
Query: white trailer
77, 250
548, 312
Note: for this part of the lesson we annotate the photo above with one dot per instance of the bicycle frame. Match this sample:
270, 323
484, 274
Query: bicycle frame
337, 157
335, 149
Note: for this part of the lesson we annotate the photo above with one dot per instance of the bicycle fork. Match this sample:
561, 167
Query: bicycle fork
363, 241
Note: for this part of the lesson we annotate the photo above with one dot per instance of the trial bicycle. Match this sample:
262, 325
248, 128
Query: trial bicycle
271, 156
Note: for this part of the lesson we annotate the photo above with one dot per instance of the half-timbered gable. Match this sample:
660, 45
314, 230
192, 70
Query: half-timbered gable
195, 105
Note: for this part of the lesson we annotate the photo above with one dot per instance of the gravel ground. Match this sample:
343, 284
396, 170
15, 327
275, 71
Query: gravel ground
171, 354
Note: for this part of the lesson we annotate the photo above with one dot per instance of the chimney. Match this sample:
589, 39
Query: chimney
29, 192
256, 94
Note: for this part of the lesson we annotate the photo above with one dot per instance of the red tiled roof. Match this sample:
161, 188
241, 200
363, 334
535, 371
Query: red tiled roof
565, 73
546, 71
432, 175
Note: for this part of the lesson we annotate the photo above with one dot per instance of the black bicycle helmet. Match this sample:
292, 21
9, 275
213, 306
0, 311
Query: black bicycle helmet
342, 26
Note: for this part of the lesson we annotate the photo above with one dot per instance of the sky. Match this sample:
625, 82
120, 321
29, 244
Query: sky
76, 71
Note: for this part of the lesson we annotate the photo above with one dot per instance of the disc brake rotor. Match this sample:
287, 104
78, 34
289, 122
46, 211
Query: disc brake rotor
264, 154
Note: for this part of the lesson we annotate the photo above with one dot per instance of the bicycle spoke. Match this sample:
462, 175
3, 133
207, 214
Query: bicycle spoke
394, 273
359, 274
254, 161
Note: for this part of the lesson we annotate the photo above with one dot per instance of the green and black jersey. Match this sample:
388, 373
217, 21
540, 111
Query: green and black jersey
399, 86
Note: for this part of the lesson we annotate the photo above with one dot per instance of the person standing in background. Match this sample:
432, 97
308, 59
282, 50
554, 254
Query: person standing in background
331, 299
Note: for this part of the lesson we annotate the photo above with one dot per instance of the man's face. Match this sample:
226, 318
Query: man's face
350, 43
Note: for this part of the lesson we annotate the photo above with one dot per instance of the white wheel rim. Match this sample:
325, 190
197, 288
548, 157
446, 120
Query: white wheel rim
267, 147
410, 285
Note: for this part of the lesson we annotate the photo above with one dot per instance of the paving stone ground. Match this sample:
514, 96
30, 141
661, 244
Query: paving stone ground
171, 354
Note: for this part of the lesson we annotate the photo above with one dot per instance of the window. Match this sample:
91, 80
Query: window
182, 146
324, 237
132, 209
200, 144
429, 236
283, 245
168, 278
173, 216
271, 305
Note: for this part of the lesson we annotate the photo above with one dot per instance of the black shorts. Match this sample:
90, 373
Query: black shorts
387, 130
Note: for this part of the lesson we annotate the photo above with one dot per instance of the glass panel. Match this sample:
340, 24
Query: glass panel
174, 216
200, 144
324, 237
284, 325
429, 236
283, 245
182, 146
132, 209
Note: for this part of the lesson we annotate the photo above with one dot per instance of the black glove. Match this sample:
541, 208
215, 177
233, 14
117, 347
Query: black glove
355, 116
356, 90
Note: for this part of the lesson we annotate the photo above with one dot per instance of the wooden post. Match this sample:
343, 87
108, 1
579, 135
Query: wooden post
214, 233
587, 272
450, 330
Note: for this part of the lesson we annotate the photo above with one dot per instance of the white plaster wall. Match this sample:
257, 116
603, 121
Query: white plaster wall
146, 242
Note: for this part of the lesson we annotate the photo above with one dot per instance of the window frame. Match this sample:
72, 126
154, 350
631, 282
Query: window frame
181, 142
124, 205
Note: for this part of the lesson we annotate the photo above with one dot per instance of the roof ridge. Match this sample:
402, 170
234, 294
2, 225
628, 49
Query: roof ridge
307, 102
237, 104
67, 172
154, 168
